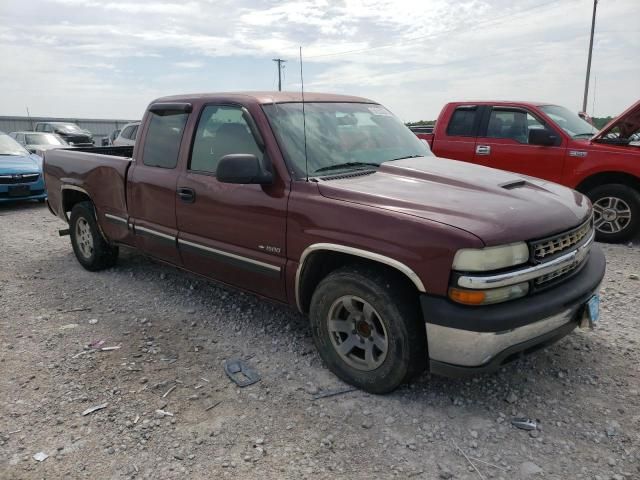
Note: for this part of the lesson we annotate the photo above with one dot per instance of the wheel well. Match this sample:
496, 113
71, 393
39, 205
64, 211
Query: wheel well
71, 197
603, 178
321, 263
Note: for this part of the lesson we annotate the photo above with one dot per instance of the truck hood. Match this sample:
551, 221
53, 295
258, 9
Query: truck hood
628, 122
497, 206
20, 164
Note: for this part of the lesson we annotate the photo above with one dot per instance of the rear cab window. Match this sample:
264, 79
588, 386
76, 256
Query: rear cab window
463, 122
162, 142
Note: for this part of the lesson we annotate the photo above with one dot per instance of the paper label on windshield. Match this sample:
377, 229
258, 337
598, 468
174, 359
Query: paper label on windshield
379, 110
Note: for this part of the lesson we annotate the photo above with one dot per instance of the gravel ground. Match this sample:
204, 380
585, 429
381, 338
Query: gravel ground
175, 330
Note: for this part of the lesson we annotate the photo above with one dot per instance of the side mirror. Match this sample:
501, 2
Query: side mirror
242, 168
542, 137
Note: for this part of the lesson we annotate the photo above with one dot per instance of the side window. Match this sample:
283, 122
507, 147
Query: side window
513, 124
39, 127
20, 138
134, 133
162, 142
462, 123
126, 133
222, 130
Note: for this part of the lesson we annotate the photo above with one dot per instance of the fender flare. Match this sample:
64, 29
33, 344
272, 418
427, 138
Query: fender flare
357, 252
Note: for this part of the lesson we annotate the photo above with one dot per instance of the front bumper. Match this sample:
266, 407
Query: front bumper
466, 340
37, 191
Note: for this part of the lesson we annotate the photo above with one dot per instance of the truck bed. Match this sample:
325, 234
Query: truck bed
100, 172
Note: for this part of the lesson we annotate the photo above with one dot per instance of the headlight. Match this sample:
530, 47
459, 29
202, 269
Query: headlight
487, 297
490, 258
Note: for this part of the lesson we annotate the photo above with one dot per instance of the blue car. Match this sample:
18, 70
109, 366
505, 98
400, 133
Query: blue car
20, 172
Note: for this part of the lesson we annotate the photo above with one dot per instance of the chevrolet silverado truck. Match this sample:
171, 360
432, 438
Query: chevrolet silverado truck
401, 260
550, 142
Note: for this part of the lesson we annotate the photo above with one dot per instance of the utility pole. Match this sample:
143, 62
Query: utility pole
280, 63
586, 82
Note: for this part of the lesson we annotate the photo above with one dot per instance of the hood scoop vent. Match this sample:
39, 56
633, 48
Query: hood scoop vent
514, 185
347, 175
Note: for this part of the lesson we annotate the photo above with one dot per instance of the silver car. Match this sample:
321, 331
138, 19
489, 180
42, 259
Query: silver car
127, 135
37, 142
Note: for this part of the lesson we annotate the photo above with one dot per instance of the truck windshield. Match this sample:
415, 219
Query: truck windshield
570, 122
67, 127
341, 136
8, 146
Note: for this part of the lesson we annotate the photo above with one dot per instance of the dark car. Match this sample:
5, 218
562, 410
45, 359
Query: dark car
70, 132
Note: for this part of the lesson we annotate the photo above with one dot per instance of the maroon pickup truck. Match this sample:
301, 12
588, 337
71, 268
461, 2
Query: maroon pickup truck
402, 261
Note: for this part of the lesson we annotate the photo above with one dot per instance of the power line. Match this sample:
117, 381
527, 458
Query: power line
280, 63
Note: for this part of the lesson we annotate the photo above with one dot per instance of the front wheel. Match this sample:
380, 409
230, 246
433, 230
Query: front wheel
616, 212
367, 329
91, 249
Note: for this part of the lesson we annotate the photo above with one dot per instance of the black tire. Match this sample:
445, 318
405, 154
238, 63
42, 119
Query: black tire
399, 314
628, 199
101, 255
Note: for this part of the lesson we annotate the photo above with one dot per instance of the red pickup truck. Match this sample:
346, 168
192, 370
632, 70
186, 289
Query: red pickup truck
401, 260
550, 142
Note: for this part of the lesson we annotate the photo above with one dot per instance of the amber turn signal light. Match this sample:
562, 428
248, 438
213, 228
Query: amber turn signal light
468, 297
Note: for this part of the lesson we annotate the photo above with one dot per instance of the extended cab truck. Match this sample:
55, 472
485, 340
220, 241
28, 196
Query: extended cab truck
550, 142
401, 260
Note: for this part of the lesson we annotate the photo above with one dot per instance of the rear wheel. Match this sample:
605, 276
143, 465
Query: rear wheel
616, 212
368, 329
91, 249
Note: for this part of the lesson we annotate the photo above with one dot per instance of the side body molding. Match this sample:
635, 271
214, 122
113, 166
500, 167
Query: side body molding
376, 257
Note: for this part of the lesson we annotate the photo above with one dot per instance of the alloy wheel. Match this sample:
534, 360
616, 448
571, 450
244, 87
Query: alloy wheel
357, 333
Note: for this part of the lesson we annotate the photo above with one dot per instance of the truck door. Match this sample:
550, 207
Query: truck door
151, 186
457, 139
504, 144
230, 232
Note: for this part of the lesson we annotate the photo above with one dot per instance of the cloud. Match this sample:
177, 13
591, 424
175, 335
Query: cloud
412, 55
188, 64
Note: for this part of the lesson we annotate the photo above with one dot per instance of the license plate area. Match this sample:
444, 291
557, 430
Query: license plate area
19, 191
591, 313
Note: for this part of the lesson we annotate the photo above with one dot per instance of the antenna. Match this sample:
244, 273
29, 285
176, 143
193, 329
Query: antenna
29, 117
304, 121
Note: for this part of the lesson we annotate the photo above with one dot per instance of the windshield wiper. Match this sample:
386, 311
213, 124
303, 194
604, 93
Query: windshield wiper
588, 134
338, 166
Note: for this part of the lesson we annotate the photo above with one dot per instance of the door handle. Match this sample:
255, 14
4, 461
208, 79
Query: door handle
187, 195
483, 150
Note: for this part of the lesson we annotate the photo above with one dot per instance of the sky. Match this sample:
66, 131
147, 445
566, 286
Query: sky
110, 58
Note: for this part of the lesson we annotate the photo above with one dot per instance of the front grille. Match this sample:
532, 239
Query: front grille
555, 275
548, 248
31, 193
18, 178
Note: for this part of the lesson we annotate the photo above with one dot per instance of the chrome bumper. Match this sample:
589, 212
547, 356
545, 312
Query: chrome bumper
468, 348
